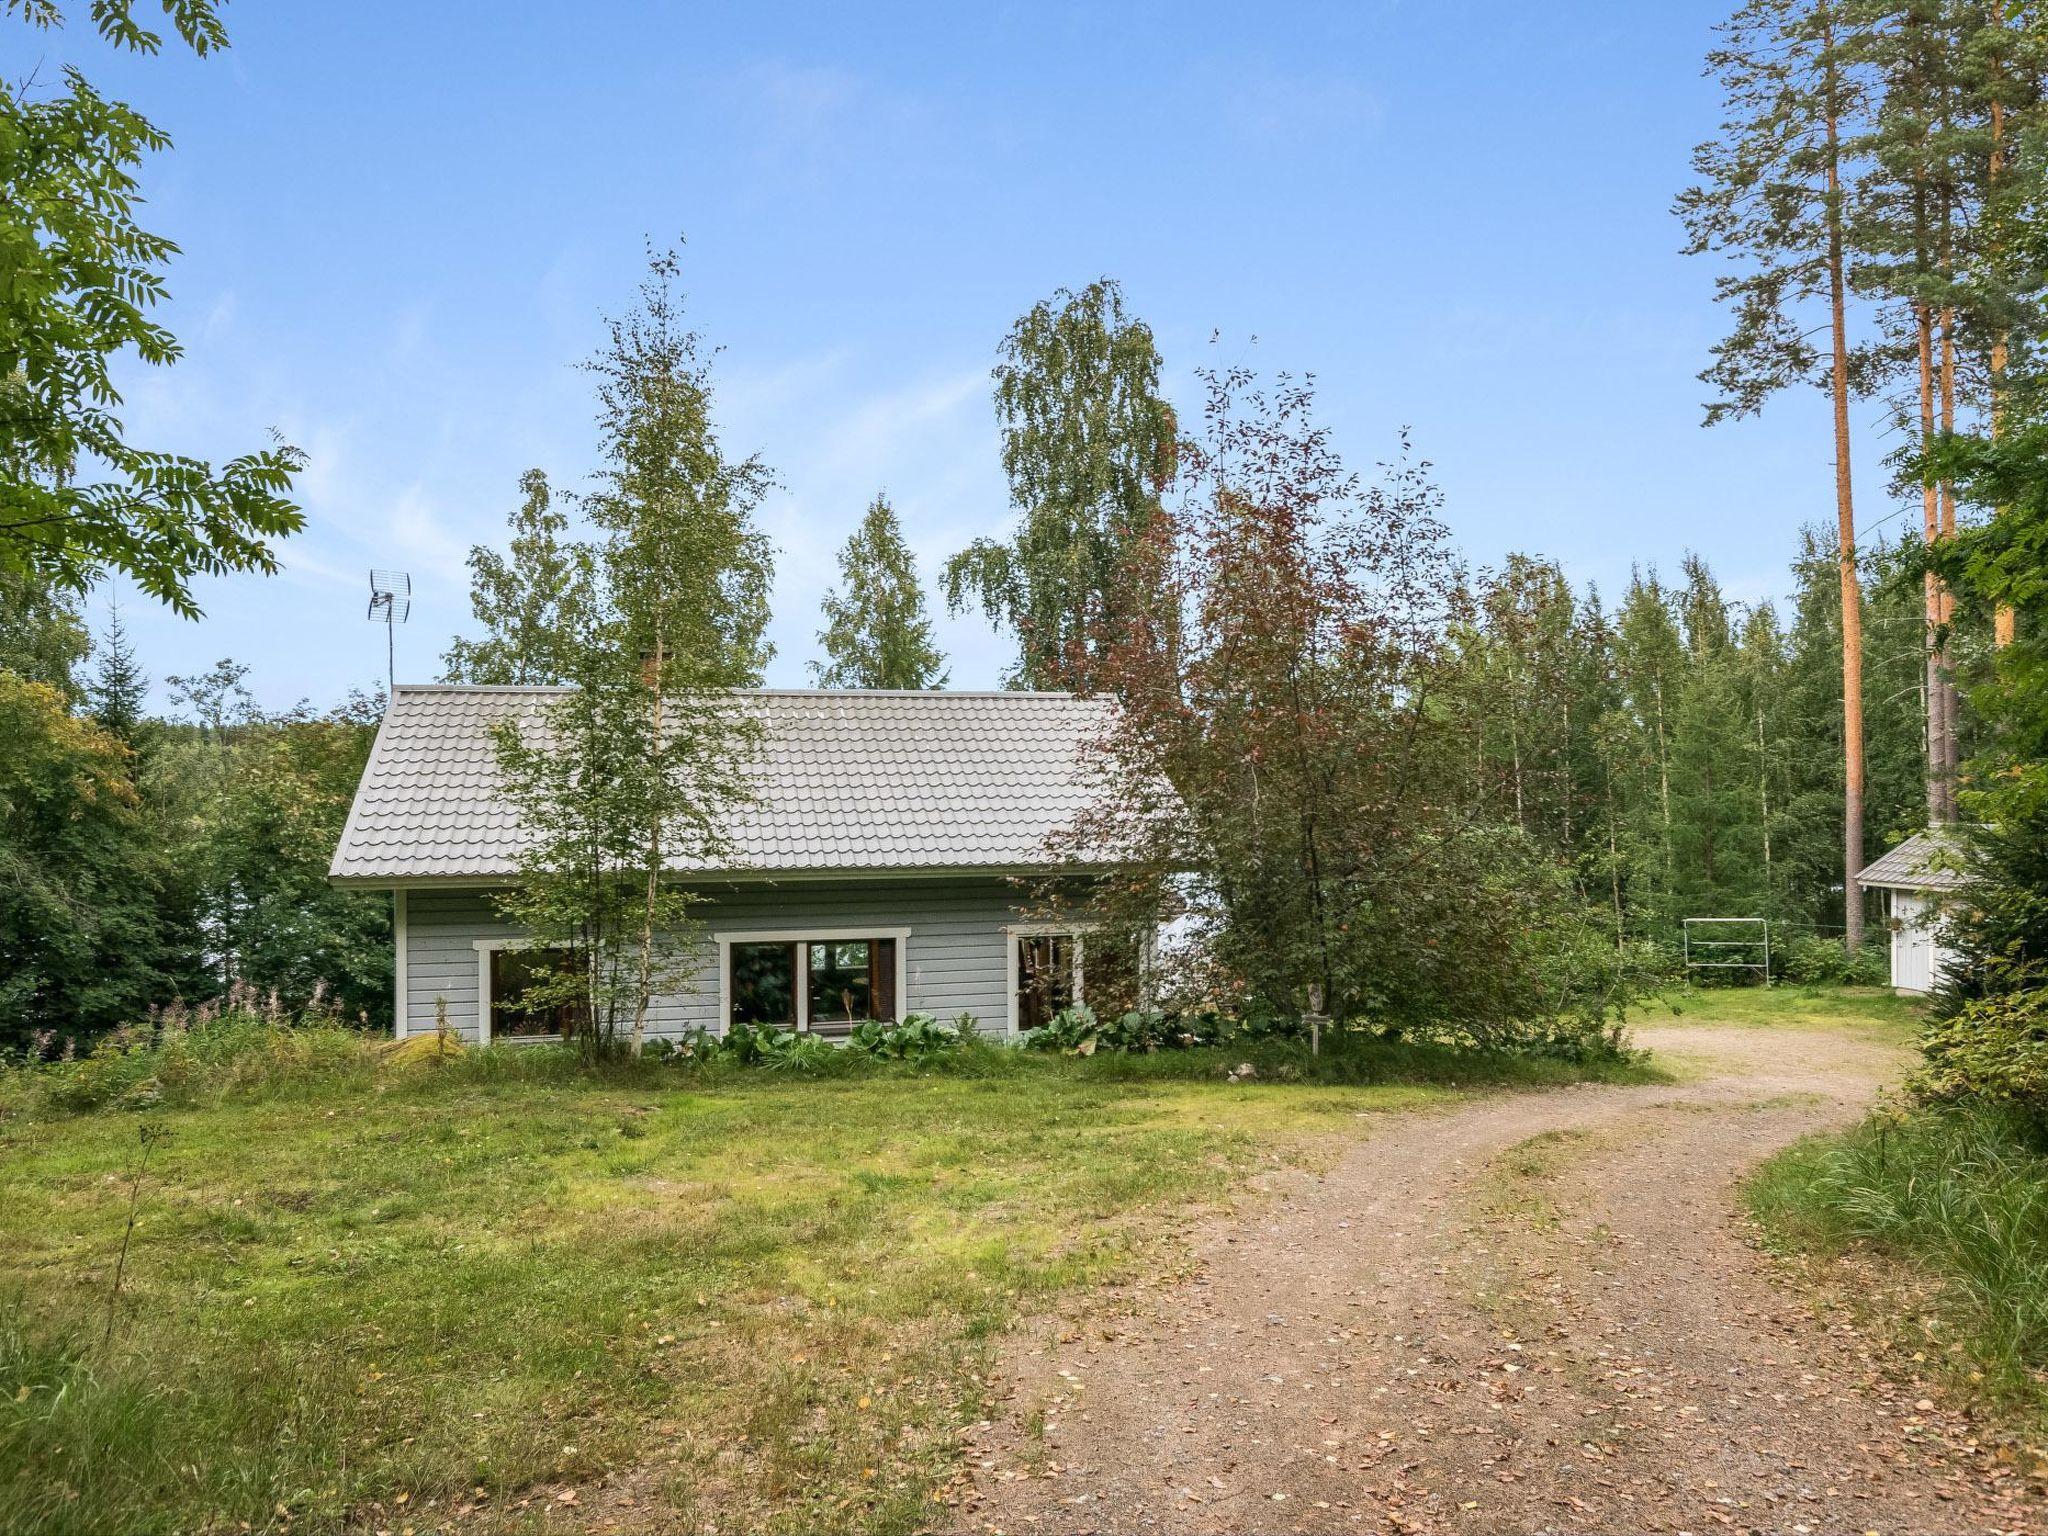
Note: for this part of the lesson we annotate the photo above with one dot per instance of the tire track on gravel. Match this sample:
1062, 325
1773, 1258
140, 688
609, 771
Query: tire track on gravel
1388, 1347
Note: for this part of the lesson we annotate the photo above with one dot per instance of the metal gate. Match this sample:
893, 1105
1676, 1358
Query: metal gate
1728, 944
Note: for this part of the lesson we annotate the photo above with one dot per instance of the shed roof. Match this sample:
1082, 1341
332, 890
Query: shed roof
1926, 861
846, 780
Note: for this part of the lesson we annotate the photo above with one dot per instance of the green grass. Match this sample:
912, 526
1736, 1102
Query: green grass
1954, 1203
361, 1291
1872, 1013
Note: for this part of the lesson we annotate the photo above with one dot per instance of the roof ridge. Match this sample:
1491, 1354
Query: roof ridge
798, 693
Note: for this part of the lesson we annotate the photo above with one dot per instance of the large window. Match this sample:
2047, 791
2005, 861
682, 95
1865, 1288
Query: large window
763, 981
516, 1013
826, 984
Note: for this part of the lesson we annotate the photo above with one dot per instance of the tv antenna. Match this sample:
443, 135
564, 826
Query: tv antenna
390, 605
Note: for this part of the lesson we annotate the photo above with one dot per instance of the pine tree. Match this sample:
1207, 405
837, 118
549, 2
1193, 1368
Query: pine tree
1810, 857
532, 601
876, 634
1912, 230
1776, 192
1087, 444
2006, 44
119, 687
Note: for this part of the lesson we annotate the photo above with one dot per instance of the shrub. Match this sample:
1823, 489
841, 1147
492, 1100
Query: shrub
1071, 1030
918, 1037
1818, 962
1995, 1048
1077, 1031
777, 1049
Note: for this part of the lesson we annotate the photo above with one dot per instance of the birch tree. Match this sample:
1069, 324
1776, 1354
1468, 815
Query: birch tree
876, 633
1088, 444
531, 601
635, 773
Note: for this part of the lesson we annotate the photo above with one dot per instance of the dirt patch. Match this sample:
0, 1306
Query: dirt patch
1538, 1312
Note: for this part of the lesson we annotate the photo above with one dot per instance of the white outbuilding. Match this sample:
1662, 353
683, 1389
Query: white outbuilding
1920, 879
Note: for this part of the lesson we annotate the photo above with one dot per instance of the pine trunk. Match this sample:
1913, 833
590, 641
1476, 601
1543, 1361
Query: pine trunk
2002, 622
1845, 515
1951, 756
1938, 724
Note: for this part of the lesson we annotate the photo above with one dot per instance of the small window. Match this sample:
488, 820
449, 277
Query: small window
849, 980
764, 984
842, 987
518, 1015
1045, 978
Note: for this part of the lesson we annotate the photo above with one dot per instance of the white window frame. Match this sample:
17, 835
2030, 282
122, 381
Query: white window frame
726, 938
400, 1025
1012, 932
485, 948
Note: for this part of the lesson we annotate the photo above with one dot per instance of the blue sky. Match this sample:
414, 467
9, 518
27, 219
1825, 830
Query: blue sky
402, 224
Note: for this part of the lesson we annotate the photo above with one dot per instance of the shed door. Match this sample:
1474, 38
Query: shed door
1912, 943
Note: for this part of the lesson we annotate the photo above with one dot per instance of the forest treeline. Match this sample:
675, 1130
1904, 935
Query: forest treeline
1682, 753
1674, 753
1405, 789
153, 857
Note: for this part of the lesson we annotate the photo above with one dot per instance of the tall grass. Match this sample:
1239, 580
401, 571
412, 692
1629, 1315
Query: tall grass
246, 1048
138, 1437
243, 1043
1962, 1195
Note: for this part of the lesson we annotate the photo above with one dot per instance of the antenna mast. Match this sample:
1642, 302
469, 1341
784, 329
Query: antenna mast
390, 604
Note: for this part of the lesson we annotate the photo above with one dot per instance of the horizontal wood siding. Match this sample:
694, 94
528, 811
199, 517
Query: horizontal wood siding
954, 961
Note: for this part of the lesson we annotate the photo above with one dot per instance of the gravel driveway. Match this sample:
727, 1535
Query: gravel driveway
1534, 1312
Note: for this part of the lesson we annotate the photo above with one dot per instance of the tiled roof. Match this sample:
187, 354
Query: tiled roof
1923, 862
845, 781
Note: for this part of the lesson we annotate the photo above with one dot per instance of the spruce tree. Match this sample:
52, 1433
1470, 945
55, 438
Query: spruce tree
119, 687
1716, 852
1650, 668
876, 634
1761, 666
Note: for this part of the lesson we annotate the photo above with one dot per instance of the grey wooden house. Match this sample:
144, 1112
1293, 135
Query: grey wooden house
881, 869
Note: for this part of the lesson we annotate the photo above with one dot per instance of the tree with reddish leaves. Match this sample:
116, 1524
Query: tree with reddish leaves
1281, 768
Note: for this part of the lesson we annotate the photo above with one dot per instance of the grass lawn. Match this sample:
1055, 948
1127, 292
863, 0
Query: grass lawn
387, 1298
1871, 1013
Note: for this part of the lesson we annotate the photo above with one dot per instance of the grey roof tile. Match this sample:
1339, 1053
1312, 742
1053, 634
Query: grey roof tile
1926, 861
846, 780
